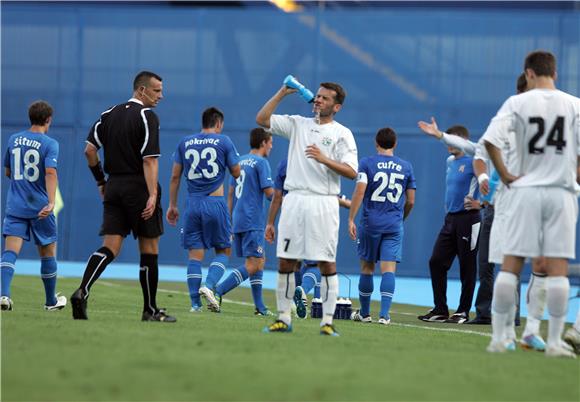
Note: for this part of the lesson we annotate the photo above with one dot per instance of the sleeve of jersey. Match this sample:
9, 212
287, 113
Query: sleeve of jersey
150, 146
282, 125
265, 174
411, 183
51, 158
362, 172
346, 151
232, 155
456, 141
93, 136
480, 151
500, 125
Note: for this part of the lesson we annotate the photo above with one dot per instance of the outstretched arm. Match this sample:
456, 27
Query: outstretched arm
454, 141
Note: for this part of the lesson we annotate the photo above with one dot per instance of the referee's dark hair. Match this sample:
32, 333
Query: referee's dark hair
458, 130
542, 63
210, 117
142, 79
522, 85
257, 136
39, 112
386, 138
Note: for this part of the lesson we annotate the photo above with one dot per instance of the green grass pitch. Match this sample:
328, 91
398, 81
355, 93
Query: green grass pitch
46, 356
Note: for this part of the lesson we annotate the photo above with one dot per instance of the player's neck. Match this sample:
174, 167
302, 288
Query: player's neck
386, 152
258, 152
38, 129
544, 83
325, 119
209, 131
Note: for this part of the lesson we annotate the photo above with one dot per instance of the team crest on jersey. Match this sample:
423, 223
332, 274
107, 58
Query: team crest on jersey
462, 168
326, 141
260, 250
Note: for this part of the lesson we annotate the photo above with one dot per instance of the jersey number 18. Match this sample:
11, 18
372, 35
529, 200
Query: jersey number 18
31, 159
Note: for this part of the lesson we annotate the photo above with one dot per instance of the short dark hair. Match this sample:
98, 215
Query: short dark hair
340, 92
142, 79
386, 138
39, 112
522, 84
541, 62
210, 117
257, 136
458, 130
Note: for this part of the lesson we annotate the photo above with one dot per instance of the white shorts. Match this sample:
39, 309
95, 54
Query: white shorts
540, 221
308, 227
498, 227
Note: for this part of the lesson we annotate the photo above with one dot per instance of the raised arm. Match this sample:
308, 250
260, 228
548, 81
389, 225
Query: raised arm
263, 116
454, 141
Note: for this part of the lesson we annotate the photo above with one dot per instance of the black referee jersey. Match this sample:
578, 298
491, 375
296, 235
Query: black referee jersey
127, 132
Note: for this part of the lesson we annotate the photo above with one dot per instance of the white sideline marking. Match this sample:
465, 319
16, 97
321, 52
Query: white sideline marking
392, 323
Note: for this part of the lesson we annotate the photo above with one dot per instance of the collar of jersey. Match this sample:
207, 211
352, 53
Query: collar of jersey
136, 101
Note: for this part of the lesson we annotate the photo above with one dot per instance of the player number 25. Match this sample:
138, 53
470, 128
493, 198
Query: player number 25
208, 154
31, 159
395, 189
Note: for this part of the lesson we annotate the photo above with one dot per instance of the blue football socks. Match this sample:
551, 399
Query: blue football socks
387, 291
256, 282
234, 280
7, 271
194, 281
48, 275
365, 290
217, 268
310, 279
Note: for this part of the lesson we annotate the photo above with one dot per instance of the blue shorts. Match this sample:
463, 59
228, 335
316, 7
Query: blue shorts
373, 247
43, 230
207, 224
250, 243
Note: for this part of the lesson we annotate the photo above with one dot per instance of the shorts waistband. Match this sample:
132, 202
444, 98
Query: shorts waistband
306, 192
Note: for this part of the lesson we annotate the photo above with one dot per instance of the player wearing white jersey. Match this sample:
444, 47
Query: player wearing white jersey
320, 151
541, 205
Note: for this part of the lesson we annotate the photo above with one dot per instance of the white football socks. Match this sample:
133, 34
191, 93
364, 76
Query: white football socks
285, 295
328, 294
557, 289
536, 302
503, 301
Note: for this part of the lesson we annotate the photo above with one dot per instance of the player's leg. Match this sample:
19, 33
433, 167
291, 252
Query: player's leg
251, 246
217, 229
391, 254
298, 272
560, 212
329, 296
365, 290
485, 271
289, 249
310, 276
45, 236
256, 284
444, 251
194, 277
192, 240
536, 302
15, 231
572, 335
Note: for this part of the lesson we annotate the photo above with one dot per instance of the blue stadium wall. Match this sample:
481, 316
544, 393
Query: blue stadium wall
398, 65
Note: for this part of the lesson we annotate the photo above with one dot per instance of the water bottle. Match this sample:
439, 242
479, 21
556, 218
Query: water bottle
493, 182
304, 92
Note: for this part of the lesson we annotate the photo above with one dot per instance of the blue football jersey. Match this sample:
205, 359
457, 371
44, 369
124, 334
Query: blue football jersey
387, 178
205, 159
461, 181
281, 176
249, 212
28, 155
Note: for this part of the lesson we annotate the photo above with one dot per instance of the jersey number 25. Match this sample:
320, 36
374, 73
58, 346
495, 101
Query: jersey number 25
394, 188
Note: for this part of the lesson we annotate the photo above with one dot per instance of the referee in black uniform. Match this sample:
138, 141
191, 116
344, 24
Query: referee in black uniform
128, 133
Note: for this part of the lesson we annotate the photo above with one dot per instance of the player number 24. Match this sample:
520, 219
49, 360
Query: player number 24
31, 159
555, 136
208, 154
395, 187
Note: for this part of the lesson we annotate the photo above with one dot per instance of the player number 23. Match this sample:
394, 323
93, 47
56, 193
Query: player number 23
207, 154
395, 189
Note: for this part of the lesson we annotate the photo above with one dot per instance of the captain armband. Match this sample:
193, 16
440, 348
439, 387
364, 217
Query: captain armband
98, 174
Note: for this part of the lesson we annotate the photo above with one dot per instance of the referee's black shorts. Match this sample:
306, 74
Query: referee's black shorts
125, 199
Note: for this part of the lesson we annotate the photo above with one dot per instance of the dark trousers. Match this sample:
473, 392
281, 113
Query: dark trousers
454, 240
486, 268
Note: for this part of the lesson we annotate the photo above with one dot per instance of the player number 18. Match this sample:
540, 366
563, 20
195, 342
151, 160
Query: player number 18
31, 159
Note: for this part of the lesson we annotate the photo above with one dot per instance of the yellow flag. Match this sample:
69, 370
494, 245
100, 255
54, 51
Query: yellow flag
58, 202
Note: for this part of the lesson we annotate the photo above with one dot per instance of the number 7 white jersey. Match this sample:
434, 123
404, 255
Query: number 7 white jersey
545, 125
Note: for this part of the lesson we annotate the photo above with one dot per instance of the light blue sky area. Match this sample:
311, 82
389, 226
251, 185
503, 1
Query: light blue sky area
415, 291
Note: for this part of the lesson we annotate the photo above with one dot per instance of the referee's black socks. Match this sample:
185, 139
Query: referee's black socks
148, 277
95, 267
